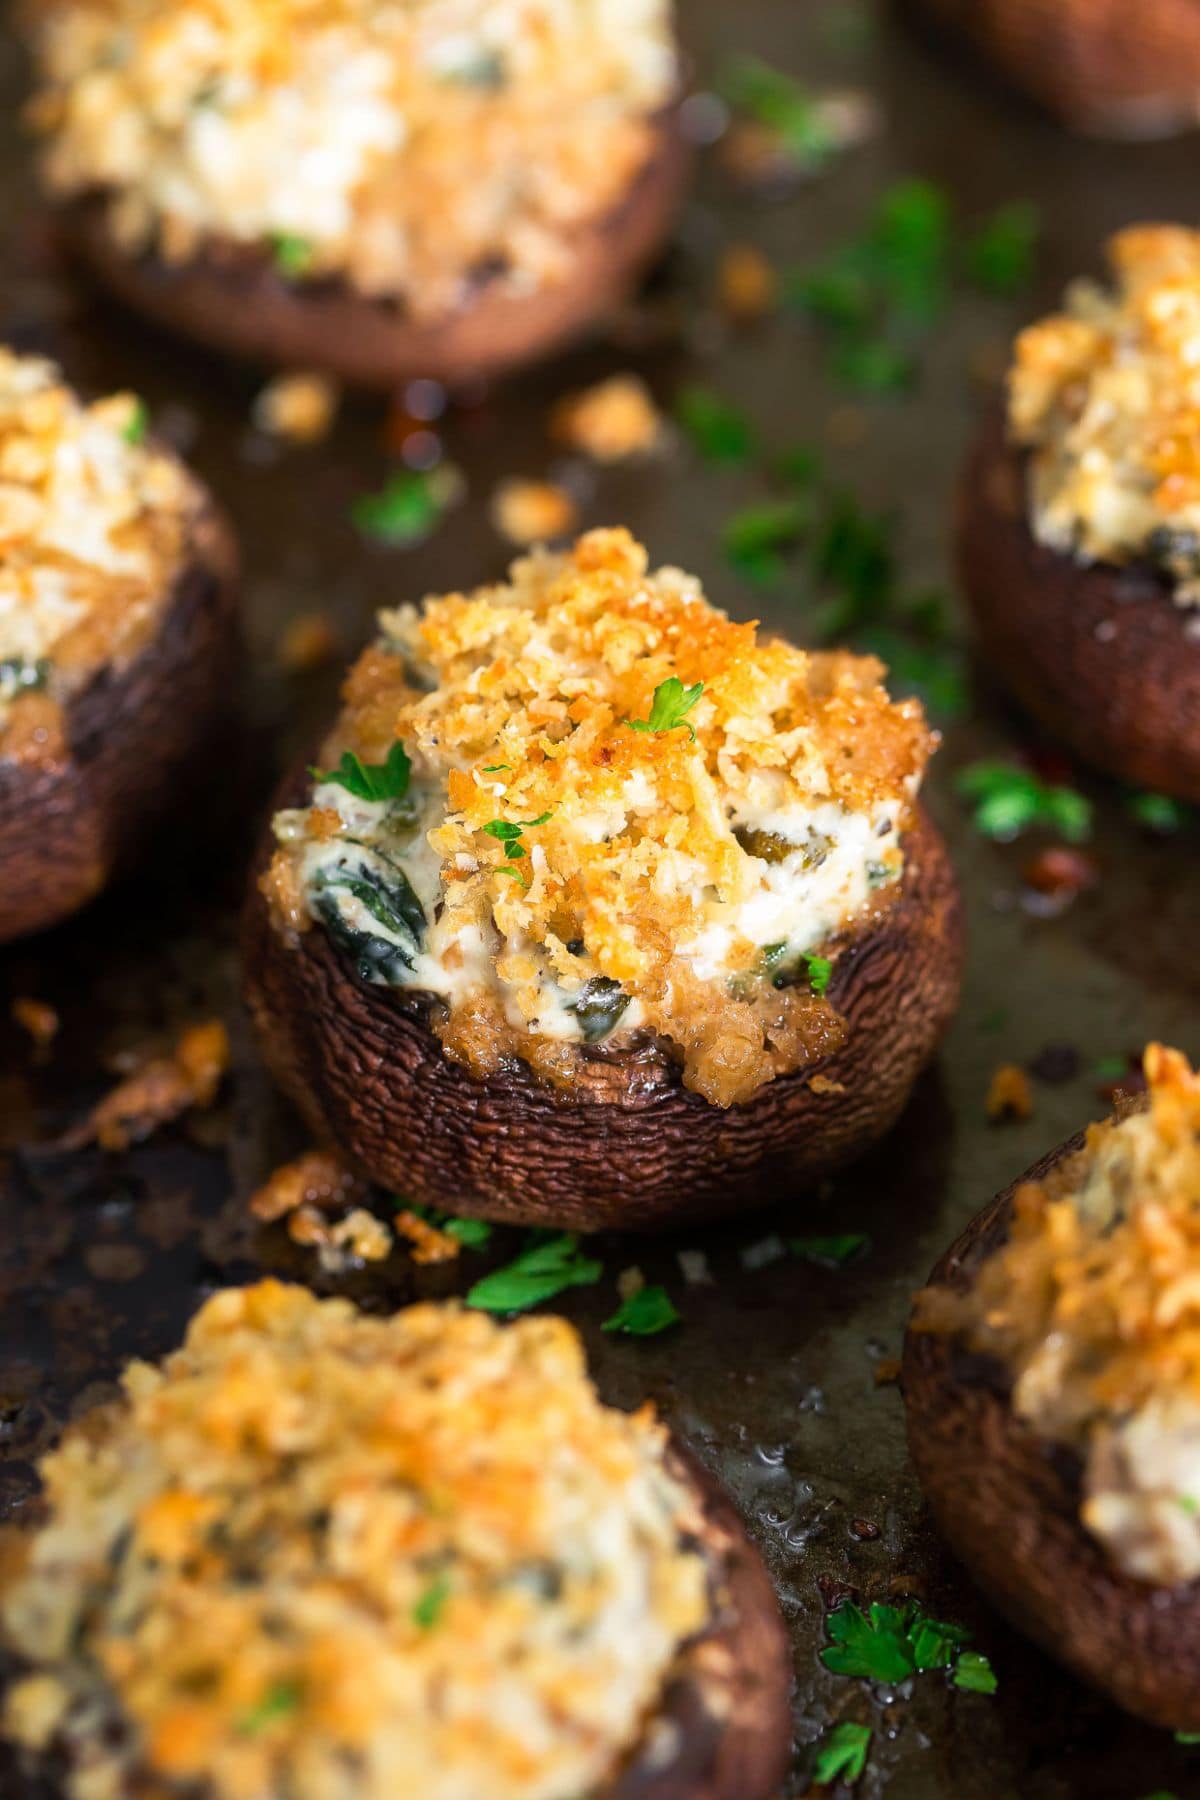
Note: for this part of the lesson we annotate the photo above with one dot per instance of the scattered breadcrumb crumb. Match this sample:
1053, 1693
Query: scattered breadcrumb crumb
308, 642
298, 408
887, 1371
746, 283
39, 1019
532, 512
824, 1084
609, 422
345, 1243
1009, 1095
694, 1267
630, 1282
159, 1089
316, 1179
429, 1245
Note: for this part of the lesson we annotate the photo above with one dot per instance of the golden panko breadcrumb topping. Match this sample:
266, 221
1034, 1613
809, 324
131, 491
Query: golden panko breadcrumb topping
93, 531
325, 1554
581, 869
404, 147
1106, 397
1093, 1304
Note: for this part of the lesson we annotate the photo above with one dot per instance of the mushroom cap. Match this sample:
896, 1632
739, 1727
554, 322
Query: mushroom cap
1007, 1502
1100, 655
628, 1146
69, 824
234, 299
1104, 67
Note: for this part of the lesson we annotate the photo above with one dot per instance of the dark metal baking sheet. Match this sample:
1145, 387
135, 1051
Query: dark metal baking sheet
772, 1374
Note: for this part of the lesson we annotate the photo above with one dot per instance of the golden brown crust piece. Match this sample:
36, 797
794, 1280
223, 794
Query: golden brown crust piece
1103, 66
69, 823
1007, 1503
629, 1146
236, 301
1099, 655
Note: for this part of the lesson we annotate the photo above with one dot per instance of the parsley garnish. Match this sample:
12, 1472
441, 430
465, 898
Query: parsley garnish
277, 1703
842, 1755
549, 1264
508, 831
795, 118
138, 424
671, 704
820, 973
1158, 812
999, 256
429, 1607
644, 1313
834, 1252
293, 254
754, 537
717, 430
407, 507
495, 768
387, 780
1010, 799
889, 1643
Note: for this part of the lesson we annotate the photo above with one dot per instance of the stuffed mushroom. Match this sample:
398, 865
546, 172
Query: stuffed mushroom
116, 615
356, 1558
440, 188
1104, 67
1079, 528
601, 910
1052, 1380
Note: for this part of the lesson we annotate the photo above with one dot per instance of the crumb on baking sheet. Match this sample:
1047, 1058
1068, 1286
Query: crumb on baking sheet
299, 408
429, 1244
39, 1019
318, 1178
746, 283
160, 1088
307, 642
1009, 1095
609, 422
532, 512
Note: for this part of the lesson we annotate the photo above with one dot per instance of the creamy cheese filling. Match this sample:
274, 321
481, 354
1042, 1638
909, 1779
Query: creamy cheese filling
619, 811
404, 145
1105, 397
352, 1558
1094, 1304
92, 523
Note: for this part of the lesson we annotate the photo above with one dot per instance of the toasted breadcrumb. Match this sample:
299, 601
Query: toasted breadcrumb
318, 1178
614, 420
532, 512
299, 408
39, 1019
1009, 1095
308, 642
163, 1087
429, 1245
746, 283
312, 1541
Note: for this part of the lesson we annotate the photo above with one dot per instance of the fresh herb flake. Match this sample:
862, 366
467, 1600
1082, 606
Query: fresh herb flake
430, 1606
279, 1702
888, 1644
974, 1673
407, 508
1158, 812
833, 1252
718, 431
293, 254
1010, 800
548, 1265
999, 256
820, 973
842, 1754
644, 1313
796, 119
754, 537
387, 780
671, 704
137, 425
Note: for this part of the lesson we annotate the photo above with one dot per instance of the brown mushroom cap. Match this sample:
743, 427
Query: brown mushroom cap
1099, 655
1103, 66
723, 1729
68, 824
629, 1146
1007, 1503
234, 299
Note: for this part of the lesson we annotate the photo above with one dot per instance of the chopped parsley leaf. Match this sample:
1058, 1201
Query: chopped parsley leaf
279, 1702
495, 768
853, 556
293, 254
974, 1673
998, 257
938, 674
1010, 799
509, 830
408, 506
387, 780
834, 1252
644, 1313
720, 432
842, 1754
820, 973
754, 537
550, 1263
671, 704
1187, 1737
795, 118
1158, 812
887, 1644
138, 424
430, 1606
